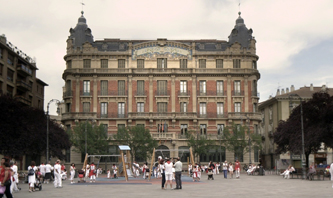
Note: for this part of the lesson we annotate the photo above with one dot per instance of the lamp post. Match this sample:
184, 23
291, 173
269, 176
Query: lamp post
47, 126
302, 128
85, 143
248, 128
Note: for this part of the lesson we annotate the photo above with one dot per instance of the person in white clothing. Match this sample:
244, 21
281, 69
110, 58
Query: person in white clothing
189, 169
57, 175
217, 167
87, 170
331, 171
42, 170
231, 170
14, 186
32, 177
72, 172
92, 172
48, 169
168, 173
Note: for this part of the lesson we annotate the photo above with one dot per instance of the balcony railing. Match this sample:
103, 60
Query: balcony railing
23, 99
237, 93
79, 115
23, 85
255, 94
85, 93
244, 115
163, 135
184, 93
103, 115
68, 94
211, 93
162, 93
25, 70
168, 115
140, 93
212, 115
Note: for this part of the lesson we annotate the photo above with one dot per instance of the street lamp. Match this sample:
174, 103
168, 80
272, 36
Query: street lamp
302, 128
85, 144
47, 126
248, 128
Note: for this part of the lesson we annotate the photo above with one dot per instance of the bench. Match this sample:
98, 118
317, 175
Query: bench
319, 175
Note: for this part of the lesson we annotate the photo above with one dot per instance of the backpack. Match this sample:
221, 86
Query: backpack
31, 172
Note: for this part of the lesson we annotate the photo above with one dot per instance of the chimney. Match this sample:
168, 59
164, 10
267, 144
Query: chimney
311, 87
323, 88
292, 88
278, 92
287, 90
282, 91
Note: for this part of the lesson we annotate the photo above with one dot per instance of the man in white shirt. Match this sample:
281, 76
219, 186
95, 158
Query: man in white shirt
225, 169
57, 175
178, 171
48, 169
14, 185
42, 170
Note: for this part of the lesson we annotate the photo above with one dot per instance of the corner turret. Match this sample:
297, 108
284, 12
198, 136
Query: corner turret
240, 33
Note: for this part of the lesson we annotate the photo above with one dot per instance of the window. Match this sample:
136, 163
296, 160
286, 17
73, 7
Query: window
183, 129
141, 63
219, 88
237, 107
237, 87
86, 107
220, 128
270, 112
183, 107
214, 153
183, 63
104, 63
255, 107
254, 88
202, 87
68, 155
68, 86
0, 88
10, 59
161, 87
256, 129
121, 126
1, 55
183, 87
219, 63
104, 87
141, 88
69, 64
203, 129
239, 154
162, 127
121, 63
1, 68
121, 110
263, 116
104, 110
86, 88
219, 109
254, 64
121, 87
10, 75
140, 125
140, 107
68, 107
237, 63
105, 127
203, 109
238, 127
184, 153
162, 107
86, 63
202, 63
161, 63
256, 154
10, 90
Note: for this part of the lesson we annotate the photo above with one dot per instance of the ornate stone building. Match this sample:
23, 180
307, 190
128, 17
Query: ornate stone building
168, 86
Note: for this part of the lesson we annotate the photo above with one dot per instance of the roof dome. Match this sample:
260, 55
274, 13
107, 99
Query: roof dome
240, 20
81, 33
82, 19
240, 33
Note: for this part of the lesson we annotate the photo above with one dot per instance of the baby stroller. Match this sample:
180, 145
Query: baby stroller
210, 174
191, 172
38, 183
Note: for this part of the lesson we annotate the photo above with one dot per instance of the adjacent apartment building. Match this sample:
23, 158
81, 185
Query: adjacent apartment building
278, 108
167, 86
18, 79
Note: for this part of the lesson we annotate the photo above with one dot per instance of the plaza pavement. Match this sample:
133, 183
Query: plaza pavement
246, 186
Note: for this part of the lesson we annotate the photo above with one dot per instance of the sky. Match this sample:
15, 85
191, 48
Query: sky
294, 37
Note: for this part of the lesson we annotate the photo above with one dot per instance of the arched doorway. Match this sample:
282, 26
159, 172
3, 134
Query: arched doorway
162, 151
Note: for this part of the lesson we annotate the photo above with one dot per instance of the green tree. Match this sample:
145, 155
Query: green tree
97, 138
199, 144
236, 139
138, 139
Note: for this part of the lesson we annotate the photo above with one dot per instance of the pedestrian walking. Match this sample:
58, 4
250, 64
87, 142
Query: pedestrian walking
92, 173
168, 173
5, 178
14, 186
331, 171
32, 176
237, 169
57, 175
178, 171
161, 167
72, 172
48, 169
225, 169
231, 170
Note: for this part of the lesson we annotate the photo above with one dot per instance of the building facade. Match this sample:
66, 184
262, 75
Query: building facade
278, 108
18, 79
170, 87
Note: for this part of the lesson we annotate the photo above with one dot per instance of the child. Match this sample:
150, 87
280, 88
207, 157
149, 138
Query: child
231, 170
108, 173
115, 174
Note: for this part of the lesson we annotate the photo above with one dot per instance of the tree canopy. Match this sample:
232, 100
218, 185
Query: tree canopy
317, 122
23, 131
198, 143
138, 139
97, 138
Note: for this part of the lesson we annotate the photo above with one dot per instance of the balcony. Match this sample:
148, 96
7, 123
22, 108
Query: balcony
163, 93
237, 93
255, 94
104, 115
79, 115
140, 93
24, 70
86, 93
211, 93
245, 116
112, 93
184, 93
68, 94
212, 115
23, 85
165, 115
163, 135
23, 100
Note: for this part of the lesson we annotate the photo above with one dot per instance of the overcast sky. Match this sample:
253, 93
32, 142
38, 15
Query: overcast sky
294, 37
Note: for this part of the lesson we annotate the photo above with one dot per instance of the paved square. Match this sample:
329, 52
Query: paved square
246, 186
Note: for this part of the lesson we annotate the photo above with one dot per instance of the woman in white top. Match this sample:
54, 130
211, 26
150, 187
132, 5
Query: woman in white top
72, 172
168, 173
161, 167
189, 169
231, 170
32, 178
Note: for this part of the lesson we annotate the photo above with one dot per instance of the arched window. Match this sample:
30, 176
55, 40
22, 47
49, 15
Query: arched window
162, 151
184, 153
215, 154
